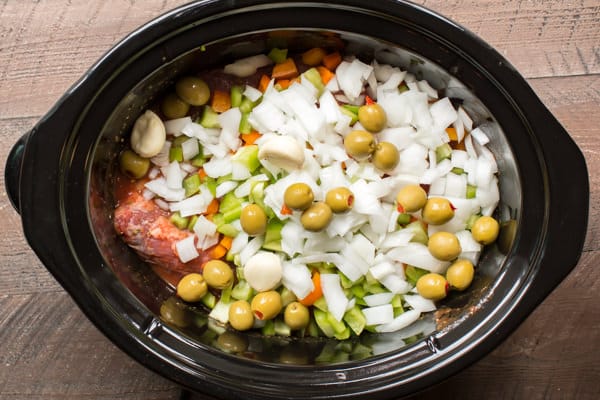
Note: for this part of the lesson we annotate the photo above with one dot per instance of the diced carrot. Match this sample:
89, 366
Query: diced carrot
221, 101
213, 207
369, 100
316, 293
250, 138
326, 75
226, 242
264, 83
283, 83
285, 70
451, 131
218, 251
332, 60
285, 210
202, 173
458, 146
313, 57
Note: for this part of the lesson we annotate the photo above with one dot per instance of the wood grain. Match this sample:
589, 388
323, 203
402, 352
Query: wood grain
49, 350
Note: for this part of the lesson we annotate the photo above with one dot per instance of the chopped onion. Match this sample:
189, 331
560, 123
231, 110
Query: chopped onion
160, 188
401, 321
245, 67
203, 227
175, 126
418, 255
297, 278
378, 299
378, 315
186, 249
190, 148
480, 136
395, 284
225, 188
334, 295
252, 93
419, 303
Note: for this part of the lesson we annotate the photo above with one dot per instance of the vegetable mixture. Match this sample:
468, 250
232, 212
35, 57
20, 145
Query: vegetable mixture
309, 194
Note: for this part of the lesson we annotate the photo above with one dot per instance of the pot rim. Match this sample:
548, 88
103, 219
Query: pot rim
417, 366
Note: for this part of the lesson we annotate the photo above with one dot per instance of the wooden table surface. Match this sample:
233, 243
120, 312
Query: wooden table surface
49, 350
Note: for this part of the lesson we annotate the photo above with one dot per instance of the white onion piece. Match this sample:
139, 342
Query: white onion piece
245, 67
378, 315
334, 295
160, 188
378, 299
419, 303
297, 278
252, 93
203, 227
239, 242
251, 249
401, 321
163, 205
480, 136
175, 126
396, 284
193, 205
418, 255
217, 167
190, 148
425, 87
466, 120
208, 241
225, 188
186, 249
382, 269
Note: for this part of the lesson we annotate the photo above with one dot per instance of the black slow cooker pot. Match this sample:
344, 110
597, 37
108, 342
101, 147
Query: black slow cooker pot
58, 177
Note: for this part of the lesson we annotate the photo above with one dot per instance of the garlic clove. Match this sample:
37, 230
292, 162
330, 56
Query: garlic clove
148, 135
282, 151
263, 271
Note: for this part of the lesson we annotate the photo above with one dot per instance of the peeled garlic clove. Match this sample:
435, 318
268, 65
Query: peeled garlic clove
263, 271
148, 135
282, 151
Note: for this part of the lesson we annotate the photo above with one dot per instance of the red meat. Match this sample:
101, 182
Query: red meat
146, 228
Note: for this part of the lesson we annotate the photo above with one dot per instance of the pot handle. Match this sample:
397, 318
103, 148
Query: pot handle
12, 171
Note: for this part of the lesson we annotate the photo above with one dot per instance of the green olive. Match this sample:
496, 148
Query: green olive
173, 107
437, 211
444, 246
296, 315
192, 287
232, 342
253, 220
298, 196
218, 274
485, 230
386, 156
411, 198
339, 199
372, 117
240, 315
266, 305
133, 165
432, 286
192, 90
460, 274
359, 144
316, 217
173, 311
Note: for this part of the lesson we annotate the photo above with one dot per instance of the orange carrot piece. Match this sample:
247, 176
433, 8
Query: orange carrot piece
250, 138
332, 60
285, 210
283, 83
285, 70
451, 131
326, 75
226, 242
213, 207
264, 83
202, 173
218, 251
313, 57
317, 292
221, 101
